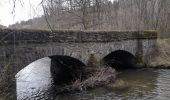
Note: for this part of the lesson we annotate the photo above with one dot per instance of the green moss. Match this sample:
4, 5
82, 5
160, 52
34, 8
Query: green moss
92, 61
151, 31
139, 58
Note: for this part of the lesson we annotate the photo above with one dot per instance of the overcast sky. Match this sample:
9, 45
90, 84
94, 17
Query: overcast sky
24, 12
30, 9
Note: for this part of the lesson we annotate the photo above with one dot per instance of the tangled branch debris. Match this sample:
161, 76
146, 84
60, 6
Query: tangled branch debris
99, 77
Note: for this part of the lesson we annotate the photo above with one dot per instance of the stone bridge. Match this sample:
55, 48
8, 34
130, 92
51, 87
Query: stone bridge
19, 48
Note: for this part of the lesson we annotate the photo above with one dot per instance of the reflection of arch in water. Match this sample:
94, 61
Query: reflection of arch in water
65, 69
32, 78
120, 60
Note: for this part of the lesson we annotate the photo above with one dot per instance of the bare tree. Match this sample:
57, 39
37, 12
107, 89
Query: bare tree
107, 15
86, 13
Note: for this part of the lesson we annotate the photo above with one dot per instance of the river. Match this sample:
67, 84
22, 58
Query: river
34, 82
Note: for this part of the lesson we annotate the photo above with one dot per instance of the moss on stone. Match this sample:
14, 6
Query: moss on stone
150, 33
92, 61
139, 58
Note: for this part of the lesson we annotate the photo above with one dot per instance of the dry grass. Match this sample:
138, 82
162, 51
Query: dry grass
162, 58
97, 75
100, 77
7, 82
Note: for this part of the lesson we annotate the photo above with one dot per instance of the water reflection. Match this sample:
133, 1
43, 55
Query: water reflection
34, 82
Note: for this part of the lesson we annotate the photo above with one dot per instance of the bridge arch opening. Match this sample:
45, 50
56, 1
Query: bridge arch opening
66, 69
58, 68
120, 60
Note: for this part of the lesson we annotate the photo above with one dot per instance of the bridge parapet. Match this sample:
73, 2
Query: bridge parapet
8, 36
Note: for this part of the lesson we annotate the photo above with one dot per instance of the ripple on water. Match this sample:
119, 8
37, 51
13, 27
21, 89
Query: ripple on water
163, 85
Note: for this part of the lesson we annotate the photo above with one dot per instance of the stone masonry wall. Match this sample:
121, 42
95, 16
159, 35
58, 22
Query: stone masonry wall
21, 47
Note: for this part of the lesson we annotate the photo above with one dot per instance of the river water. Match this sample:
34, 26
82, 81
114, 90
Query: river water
34, 83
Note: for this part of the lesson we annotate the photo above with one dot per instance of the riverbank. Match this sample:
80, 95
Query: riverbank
162, 57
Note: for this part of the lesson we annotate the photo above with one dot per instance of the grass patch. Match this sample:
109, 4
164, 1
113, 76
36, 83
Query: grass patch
7, 84
92, 61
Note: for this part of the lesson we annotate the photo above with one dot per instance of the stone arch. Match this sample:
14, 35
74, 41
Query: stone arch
64, 69
120, 60
26, 56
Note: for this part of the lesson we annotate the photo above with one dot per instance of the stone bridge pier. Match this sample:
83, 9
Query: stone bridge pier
19, 48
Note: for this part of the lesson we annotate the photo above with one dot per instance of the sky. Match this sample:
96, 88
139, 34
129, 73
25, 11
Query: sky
23, 11
27, 9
